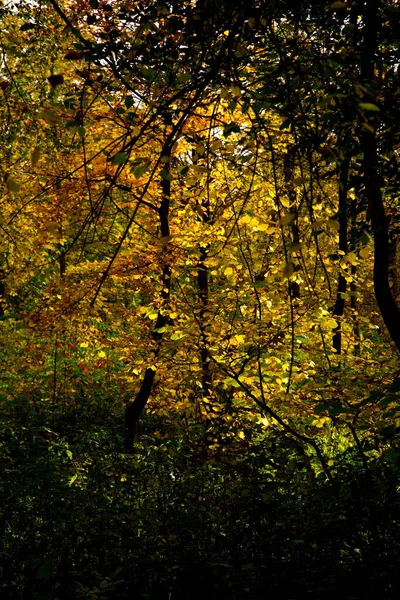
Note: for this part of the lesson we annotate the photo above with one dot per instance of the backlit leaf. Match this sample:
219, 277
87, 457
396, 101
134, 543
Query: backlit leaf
367, 106
35, 156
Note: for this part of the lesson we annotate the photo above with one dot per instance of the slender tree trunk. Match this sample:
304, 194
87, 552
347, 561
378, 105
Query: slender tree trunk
338, 308
2, 292
294, 287
136, 407
63, 263
202, 284
393, 277
372, 186
203, 298
353, 286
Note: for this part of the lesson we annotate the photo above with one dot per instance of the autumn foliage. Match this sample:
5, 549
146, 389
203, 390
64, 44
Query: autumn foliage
199, 273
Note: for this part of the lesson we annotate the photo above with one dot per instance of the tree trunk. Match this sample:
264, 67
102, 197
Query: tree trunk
338, 309
372, 186
135, 408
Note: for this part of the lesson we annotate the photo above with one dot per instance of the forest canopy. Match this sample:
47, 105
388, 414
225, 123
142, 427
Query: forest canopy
199, 273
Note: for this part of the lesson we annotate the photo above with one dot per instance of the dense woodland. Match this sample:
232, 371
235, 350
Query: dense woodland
199, 287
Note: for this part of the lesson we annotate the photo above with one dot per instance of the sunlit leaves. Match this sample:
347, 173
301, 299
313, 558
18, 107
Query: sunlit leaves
252, 189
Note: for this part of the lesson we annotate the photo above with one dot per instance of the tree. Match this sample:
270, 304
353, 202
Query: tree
218, 212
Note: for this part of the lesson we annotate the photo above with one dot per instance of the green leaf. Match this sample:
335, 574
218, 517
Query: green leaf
178, 335
184, 77
49, 116
231, 128
139, 171
12, 185
120, 158
284, 125
369, 107
229, 381
165, 174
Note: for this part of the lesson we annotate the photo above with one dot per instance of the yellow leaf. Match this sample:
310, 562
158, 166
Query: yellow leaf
228, 271
369, 107
236, 91
332, 324
200, 169
333, 224
215, 145
84, 345
319, 422
101, 354
263, 227
200, 149
351, 258
285, 202
238, 339
364, 252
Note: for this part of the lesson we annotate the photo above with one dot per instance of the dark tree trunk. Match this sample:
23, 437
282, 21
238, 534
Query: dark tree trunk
338, 309
372, 184
136, 407
202, 284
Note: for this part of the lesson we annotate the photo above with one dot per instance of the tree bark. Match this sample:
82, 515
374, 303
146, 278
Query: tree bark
338, 309
372, 185
136, 407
